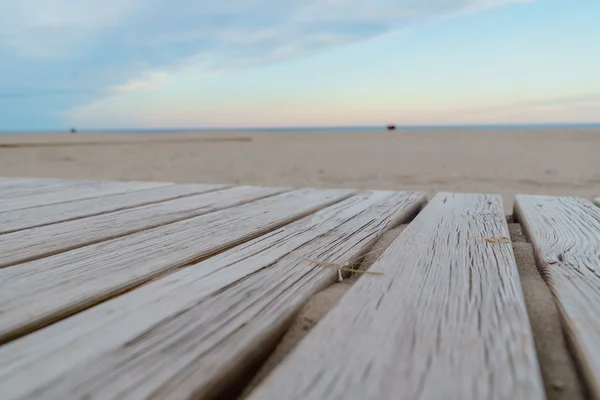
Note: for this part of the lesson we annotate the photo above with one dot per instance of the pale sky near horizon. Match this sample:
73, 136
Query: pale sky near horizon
109, 64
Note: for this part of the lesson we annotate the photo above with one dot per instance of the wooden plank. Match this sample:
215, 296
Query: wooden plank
10, 181
32, 187
44, 290
39, 242
565, 233
448, 321
14, 183
16, 220
67, 191
597, 201
177, 336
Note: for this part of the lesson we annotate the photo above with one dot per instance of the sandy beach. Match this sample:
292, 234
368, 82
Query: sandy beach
507, 162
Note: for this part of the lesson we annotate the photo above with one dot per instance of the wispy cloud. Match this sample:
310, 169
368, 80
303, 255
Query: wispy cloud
127, 45
60, 28
150, 81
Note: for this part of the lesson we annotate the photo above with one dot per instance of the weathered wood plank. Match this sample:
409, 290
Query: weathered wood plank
39, 242
9, 185
447, 322
44, 290
565, 233
16, 220
597, 201
17, 190
32, 187
64, 191
185, 335
34, 182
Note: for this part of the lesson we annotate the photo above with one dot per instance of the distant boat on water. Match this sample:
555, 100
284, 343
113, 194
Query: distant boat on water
391, 127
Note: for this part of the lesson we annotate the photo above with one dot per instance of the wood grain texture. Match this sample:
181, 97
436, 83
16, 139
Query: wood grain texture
40, 291
8, 186
17, 183
565, 233
447, 322
31, 187
189, 333
9, 192
35, 243
63, 191
16, 220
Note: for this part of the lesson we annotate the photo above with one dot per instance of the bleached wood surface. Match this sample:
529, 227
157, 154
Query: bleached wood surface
11, 187
39, 194
15, 220
565, 233
20, 188
448, 321
34, 243
597, 201
188, 334
47, 289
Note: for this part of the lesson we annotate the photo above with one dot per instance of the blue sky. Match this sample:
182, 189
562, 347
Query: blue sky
113, 64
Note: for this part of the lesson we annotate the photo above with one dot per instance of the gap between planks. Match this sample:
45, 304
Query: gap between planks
561, 378
312, 311
565, 232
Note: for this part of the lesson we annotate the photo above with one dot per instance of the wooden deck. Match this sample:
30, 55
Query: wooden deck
113, 290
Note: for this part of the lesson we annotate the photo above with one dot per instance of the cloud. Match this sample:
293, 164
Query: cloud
121, 46
150, 81
60, 28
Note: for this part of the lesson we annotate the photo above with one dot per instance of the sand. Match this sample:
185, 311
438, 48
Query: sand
315, 309
557, 367
507, 162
